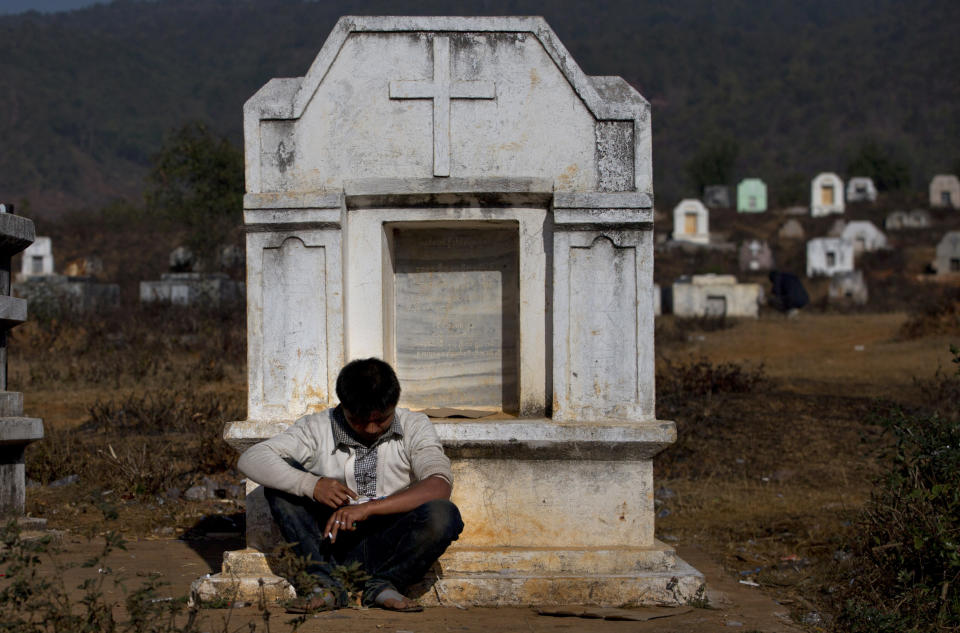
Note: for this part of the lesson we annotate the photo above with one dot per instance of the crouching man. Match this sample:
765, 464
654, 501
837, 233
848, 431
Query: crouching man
363, 482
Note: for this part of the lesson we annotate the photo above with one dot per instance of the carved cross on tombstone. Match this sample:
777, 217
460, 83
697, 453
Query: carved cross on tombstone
442, 89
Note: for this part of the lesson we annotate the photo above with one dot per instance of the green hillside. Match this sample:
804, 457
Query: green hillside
88, 95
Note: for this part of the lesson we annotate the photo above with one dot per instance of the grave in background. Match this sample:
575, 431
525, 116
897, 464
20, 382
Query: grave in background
861, 189
716, 196
865, 236
755, 256
829, 256
37, 259
948, 254
463, 196
691, 222
715, 296
915, 219
186, 284
78, 289
848, 288
826, 194
751, 196
16, 431
791, 230
945, 192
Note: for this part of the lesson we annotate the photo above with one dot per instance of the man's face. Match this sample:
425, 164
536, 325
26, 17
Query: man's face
372, 426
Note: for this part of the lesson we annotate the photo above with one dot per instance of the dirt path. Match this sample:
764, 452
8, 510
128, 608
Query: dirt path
736, 607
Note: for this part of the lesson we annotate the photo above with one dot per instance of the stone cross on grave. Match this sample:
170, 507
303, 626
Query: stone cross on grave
442, 89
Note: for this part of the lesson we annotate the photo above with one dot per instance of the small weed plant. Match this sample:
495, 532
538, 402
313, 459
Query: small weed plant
36, 602
33, 600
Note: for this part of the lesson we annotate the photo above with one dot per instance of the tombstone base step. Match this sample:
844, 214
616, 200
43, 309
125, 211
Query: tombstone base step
672, 587
231, 588
243, 570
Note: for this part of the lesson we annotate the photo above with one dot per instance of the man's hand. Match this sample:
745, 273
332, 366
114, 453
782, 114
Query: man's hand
347, 518
332, 493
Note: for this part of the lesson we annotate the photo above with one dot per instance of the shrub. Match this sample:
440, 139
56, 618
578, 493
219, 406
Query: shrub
935, 313
905, 571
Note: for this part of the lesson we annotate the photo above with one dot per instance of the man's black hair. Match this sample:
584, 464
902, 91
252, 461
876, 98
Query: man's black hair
367, 384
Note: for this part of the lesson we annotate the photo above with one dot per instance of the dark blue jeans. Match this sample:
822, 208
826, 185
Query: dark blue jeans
396, 550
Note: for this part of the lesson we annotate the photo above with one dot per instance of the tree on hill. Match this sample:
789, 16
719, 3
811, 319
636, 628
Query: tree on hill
713, 164
888, 171
196, 181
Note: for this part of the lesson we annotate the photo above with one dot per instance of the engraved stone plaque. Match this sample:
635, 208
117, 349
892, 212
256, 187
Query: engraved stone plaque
457, 314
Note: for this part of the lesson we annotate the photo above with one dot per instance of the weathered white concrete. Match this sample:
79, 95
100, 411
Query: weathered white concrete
37, 259
948, 254
691, 222
715, 296
826, 194
455, 196
16, 431
212, 289
829, 256
945, 192
861, 189
865, 236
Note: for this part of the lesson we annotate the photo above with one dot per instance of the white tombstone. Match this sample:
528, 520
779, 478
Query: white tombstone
691, 222
826, 195
948, 254
861, 189
865, 236
829, 256
37, 259
454, 195
945, 192
715, 296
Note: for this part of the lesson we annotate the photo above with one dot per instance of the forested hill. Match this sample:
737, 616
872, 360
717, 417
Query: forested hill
87, 96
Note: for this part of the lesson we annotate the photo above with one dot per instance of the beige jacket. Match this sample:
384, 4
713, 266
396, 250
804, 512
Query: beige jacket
294, 460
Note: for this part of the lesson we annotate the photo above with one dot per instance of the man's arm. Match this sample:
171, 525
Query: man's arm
347, 517
268, 464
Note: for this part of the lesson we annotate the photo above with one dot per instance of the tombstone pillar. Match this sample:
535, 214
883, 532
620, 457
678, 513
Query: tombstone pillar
16, 431
456, 196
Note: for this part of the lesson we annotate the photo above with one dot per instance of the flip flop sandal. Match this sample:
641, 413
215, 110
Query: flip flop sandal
320, 600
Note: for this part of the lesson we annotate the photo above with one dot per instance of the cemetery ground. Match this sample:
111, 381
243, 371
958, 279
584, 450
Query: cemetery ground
777, 455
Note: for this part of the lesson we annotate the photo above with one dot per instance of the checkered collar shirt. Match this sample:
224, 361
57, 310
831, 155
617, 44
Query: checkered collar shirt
365, 462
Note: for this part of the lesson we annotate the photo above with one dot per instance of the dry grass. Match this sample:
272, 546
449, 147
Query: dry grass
134, 404
776, 456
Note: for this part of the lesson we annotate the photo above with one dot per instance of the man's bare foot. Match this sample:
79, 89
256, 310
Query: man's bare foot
393, 600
